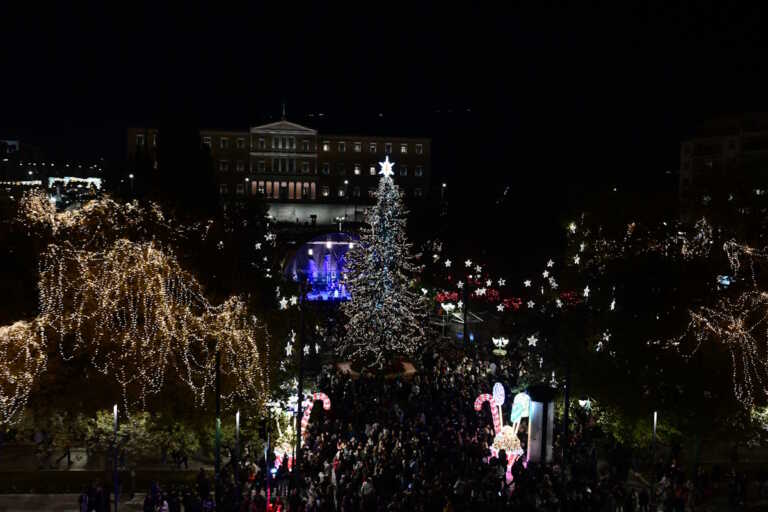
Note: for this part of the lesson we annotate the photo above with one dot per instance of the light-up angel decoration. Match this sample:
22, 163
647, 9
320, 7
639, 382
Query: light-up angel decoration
501, 344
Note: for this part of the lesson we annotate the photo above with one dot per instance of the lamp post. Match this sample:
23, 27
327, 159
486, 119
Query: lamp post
115, 490
130, 176
236, 467
653, 459
300, 384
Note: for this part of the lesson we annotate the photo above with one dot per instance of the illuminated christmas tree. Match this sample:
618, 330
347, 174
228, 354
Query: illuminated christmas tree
385, 317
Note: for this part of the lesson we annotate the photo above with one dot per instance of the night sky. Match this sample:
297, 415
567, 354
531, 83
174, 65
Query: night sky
549, 100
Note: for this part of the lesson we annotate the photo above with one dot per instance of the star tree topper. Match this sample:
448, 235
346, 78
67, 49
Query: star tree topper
386, 168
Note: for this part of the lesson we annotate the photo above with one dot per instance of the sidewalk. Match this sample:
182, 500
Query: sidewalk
55, 502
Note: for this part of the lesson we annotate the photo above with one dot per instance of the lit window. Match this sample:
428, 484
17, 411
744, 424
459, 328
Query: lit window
154, 139
341, 192
240, 189
240, 166
388, 148
403, 170
305, 146
224, 143
358, 147
357, 169
419, 149
326, 168
324, 191
403, 148
262, 143
261, 166
419, 172
373, 170
417, 192
139, 139
223, 165
326, 146
223, 189
342, 147
240, 143
207, 141
372, 147
305, 167
293, 142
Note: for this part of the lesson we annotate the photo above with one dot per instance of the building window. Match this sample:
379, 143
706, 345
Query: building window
274, 142
324, 191
326, 168
293, 165
305, 146
357, 169
274, 165
240, 166
240, 189
223, 165
419, 172
293, 142
419, 149
387, 148
404, 148
341, 191
139, 139
342, 146
260, 188
358, 147
372, 147
326, 146
372, 170
223, 189
403, 170
341, 170
262, 143
356, 191
240, 143
417, 192
261, 166
224, 143
207, 141
305, 167
154, 139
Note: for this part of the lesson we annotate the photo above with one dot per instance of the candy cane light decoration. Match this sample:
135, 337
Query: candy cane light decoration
308, 410
506, 436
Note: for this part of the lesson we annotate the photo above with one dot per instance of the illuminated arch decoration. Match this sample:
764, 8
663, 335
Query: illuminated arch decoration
506, 436
321, 261
308, 409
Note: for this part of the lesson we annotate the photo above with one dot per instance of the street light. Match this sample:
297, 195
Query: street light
115, 490
130, 176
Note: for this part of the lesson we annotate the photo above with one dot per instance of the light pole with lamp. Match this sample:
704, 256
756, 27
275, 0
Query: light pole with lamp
115, 490
130, 176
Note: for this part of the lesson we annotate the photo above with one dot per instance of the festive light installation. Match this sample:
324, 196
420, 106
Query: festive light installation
501, 344
22, 359
385, 316
135, 313
310, 405
506, 437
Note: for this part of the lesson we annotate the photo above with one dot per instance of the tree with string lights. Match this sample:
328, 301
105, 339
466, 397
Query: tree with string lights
385, 317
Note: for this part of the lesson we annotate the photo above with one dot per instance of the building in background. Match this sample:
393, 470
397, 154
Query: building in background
305, 176
724, 160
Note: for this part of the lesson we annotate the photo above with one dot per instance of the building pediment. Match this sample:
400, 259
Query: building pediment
283, 127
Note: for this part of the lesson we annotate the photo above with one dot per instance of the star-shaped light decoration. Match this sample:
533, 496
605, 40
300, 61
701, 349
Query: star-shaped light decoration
502, 282
277, 291
424, 291
294, 300
317, 348
558, 303
448, 263
606, 336
576, 259
532, 340
386, 168
283, 303
460, 285
545, 274
500, 308
468, 263
306, 350
480, 291
552, 283
269, 237
550, 264
581, 247
572, 227
257, 246
613, 304
459, 304
586, 292
435, 257
478, 269
527, 283
531, 304
488, 283
288, 349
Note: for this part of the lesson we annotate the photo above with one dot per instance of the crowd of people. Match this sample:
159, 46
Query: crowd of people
419, 445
